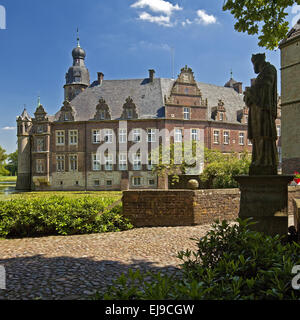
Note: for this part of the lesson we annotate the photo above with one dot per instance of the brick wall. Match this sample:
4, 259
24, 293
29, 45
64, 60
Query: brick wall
185, 207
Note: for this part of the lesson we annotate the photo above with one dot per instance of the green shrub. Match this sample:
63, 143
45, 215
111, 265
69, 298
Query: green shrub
231, 263
59, 216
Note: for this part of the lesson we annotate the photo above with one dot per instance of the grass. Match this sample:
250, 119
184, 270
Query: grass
115, 195
8, 179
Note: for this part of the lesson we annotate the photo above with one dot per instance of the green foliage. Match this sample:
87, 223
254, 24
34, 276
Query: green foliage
12, 165
231, 263
220, 169
59, 216
263, 17
3, 157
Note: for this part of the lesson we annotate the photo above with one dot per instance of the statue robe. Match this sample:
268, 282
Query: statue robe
261, 121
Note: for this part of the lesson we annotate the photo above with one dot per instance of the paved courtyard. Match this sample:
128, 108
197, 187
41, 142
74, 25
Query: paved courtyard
74, 267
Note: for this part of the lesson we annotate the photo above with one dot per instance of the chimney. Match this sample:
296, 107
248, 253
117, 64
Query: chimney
238, 87
100, 77
151, 75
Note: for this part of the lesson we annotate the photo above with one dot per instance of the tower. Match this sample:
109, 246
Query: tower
24, 124
77, 77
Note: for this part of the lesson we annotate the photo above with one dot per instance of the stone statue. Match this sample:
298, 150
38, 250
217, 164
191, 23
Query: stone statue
261, 99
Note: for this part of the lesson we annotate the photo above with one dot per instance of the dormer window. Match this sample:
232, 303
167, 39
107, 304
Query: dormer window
102, 111
129, 110
66, 112
221, 116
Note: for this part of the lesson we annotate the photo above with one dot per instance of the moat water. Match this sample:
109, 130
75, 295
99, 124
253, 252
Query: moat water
7, 188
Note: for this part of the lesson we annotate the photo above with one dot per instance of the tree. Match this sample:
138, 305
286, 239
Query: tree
3, 157
264, 17
12, 165
220, 169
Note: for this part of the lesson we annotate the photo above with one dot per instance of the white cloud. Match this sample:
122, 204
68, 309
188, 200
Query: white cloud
157, 6
160, 20
9, 128
205, 18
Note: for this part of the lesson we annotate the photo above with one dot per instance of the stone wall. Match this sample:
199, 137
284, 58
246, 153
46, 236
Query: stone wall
180, 207
186, 207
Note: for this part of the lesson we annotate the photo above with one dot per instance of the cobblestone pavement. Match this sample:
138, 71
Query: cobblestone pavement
75, 267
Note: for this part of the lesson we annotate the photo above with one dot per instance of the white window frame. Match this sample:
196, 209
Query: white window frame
60, 137
226, 137
60, 163
136, 135
137, 164
122, 161
216, 136
186, 113
178, 135
151, 135
108, 159
194, 135
40, 166
73, 137
108, 135
96, 136
241, 138
73, 162
278, 130
40, 147
122, 135
96, 162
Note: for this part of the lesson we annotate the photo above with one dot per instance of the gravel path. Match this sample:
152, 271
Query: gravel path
74, 267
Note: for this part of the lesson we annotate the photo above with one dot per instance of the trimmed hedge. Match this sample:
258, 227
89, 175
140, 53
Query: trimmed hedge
231, 263
59, 216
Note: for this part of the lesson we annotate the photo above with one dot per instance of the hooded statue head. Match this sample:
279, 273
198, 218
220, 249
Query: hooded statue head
258, 60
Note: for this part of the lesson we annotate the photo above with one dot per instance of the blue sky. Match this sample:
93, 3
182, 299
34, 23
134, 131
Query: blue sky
122, 39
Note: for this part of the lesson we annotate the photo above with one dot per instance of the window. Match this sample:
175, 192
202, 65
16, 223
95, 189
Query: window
194, 134
279, 154
96, 136
40, 166
60, 138
150, 165
96, 162
108, 183
73, 163
216, 136
278, 128
122, 161
40, 144
221, 116
60, 163
151, 135
246, 119
226, 137
137, 181
249, 143
151, 182
137, 161
241, 138
186, 90
73, 137
178, 135
186, 113
96, 183
108, 158
129, 114
108, 135
136, 135
102, 115
39, 129
122, 135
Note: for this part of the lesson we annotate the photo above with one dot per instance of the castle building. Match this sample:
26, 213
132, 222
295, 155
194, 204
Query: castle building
290, 104
60, 152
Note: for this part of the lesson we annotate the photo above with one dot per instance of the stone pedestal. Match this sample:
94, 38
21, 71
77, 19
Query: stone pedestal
265, 199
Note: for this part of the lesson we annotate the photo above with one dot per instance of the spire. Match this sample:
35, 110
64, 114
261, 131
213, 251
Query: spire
231, 74
78, 44
39, 101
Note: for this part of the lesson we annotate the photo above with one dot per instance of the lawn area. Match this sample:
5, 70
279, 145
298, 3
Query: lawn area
115, 195
8, 179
